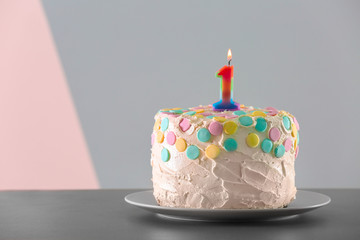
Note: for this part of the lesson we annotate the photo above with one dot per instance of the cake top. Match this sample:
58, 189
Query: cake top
274, 131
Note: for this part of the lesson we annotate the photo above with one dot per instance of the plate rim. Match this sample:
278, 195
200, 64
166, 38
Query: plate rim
147, 206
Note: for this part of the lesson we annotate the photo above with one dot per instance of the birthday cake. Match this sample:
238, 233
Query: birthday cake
241, 159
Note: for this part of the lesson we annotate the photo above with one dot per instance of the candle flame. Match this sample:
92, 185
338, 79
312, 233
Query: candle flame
229, 56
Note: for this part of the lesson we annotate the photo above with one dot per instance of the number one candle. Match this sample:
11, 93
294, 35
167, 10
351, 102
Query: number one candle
226, 88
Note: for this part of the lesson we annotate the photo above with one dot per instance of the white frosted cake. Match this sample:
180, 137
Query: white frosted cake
209, 159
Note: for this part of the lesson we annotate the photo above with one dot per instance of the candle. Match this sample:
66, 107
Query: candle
226, 88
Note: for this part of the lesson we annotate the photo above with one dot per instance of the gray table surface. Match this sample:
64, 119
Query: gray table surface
103, 214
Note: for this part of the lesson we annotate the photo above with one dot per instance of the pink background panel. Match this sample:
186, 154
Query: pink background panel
41, 141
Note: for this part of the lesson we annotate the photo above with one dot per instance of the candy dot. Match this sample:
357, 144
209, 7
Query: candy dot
230, 127
287, 144
165, 155
175, 108
296, 152
184, 124
272, 111
252, 140
266, 145
180, 144
164, 124
258, 114
192, 152
246, 121
294, 130
190, 113
220, 119
159, 137
279, 151
274, 134
298, 138
203, 135
212, 151
198, 116
261, 124
296, 124
239, 113
215, 128
157, 124
210, 117
200, 110
230, 145
286, 122
171, 138
176, 111
152, 139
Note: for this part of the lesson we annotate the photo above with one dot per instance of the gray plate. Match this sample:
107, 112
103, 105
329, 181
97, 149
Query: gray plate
305, 201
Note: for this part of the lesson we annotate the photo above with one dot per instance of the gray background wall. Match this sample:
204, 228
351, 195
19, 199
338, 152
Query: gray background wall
124, 60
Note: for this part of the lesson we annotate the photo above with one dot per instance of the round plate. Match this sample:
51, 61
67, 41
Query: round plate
305, 201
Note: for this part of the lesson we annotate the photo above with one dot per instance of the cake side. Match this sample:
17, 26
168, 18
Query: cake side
224, 160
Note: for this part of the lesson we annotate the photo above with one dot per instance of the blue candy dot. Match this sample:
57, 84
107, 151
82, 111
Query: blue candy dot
210, 117
239, 113
266, 145
192, 152
246, 121
190, 113
230, 145
165, 155
261, 124
286, 122
203, 135
279, 151
298, 138
164, 124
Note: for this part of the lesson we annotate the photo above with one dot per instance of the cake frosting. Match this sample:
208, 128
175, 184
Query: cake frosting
224, 160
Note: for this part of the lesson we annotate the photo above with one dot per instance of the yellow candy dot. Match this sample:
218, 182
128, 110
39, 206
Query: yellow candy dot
295, 143
258, 114
199, 110
230, 127
157, 124
293, 130
212, 151
198, 116
220, 119
176, 108
242, 105
180, 144
252, 140
159, 137
165, 109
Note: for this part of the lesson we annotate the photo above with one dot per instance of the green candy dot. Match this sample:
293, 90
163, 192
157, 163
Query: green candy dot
190, 113
203, 135
165, 155
286, 122
246, 121
230, 145
239, 113
176, 111
192, 152
164, 124
279, 151
261, 124
266, 145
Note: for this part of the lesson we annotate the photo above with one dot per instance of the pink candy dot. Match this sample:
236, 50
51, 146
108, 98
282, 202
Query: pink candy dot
184, 124
205, 114
272, 111
296, 151
215, 128
171, 138
152, 139
274, 134
296, 124
287, 144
